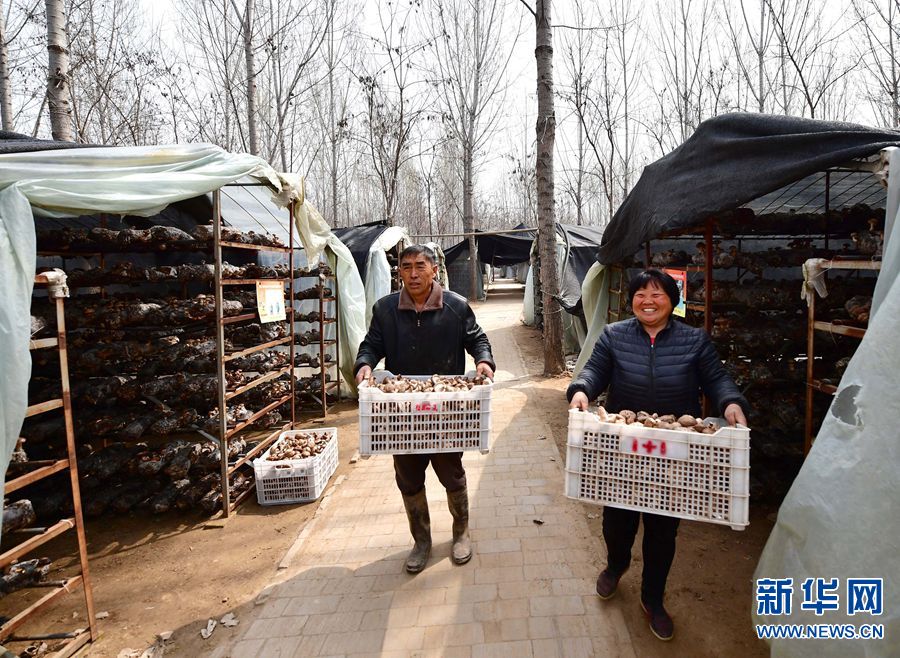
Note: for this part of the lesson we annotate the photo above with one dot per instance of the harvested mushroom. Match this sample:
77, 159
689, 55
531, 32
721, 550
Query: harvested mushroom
434, 384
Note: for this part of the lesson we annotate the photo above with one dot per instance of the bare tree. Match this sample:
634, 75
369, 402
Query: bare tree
880, 25
545, 128
392, 108
470, 63
213, 103
332, 102
683, 30
293, 35
752, 29
58, 97
250, 72
810, 55
6, 114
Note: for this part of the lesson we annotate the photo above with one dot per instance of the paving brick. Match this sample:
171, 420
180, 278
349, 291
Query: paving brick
439, 615
487, 575
348, 643
498, 609
472, 594
312, 605
247, 649
404, 639
333, 623
419, 597
544, 606
453, 635
508, 559
522, 649
275, 627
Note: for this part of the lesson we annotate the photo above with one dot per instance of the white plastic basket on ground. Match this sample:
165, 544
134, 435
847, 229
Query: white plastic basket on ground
421, 423
701, 477
295, 480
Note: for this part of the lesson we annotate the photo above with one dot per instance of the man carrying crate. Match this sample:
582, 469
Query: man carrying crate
425, 330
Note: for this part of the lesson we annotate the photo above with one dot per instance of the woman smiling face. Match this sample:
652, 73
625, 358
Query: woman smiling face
652, 306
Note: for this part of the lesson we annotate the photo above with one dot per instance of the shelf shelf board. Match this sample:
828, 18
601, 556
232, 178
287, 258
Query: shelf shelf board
229, 395
231, 319
841, 329
32, 543
253, 247
42, 343
265, 443
819, 385
12, 624
845, 264
257, 348
259, 414
43, 407
247, 282
35, 475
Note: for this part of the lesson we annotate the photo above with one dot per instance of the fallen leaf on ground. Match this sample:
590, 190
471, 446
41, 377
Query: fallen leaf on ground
102, 615
538, 521
229, 620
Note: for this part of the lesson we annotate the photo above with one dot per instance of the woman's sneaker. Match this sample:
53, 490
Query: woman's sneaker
661, 623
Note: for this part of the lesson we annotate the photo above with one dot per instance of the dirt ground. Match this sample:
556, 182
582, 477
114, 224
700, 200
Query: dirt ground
172, 573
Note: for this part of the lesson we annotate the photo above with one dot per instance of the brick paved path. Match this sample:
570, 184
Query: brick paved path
528, 591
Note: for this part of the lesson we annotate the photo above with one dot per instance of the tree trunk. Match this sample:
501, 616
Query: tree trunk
6, 115
554, 361
469, 219
58, 92
250, 65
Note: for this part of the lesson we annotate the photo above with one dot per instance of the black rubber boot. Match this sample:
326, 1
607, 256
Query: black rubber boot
420, 528
458, 502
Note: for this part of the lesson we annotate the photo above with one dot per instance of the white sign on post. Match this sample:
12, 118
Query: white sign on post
270, 301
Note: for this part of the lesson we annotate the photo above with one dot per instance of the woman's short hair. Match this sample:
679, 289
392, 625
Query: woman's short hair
414, 250
656, 279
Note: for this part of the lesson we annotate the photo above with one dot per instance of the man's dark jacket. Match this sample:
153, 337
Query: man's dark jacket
665, 377
423, 343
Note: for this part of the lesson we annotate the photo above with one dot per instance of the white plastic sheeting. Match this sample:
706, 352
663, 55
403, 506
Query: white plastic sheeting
840, 518
17, 263
378, 271
595, 302
528, 304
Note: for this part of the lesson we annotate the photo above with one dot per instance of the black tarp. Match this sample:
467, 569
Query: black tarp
11, 142
359, 240
728, 161
497, 250
581, 252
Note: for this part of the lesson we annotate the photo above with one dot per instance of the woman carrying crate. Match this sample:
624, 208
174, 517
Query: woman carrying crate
425, 330
654, 363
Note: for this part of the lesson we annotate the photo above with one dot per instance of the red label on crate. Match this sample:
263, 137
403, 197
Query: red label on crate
653, 447
428, 406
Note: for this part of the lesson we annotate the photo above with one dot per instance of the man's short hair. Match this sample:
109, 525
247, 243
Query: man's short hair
414, 250
656, 279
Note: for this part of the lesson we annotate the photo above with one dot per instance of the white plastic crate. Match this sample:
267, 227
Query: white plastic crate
295, 480
702, 477
416, 423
